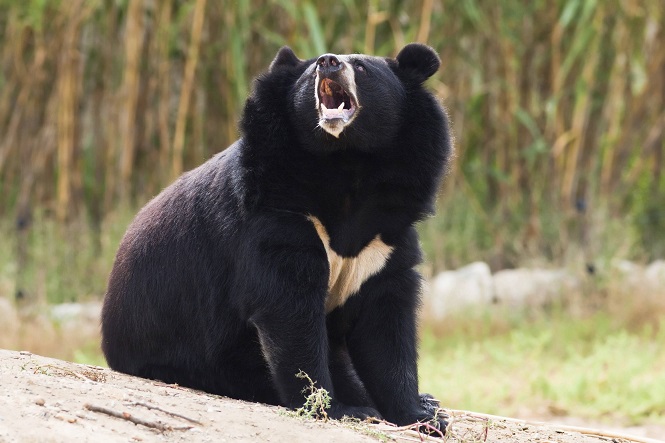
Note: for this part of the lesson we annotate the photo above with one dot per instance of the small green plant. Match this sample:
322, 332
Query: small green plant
317, 400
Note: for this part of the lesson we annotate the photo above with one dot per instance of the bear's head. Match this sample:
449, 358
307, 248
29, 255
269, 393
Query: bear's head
336, 101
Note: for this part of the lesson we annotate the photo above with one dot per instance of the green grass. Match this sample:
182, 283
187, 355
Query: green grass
585, 367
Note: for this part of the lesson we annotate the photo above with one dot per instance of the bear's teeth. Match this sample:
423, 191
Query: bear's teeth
340, 107
329, 113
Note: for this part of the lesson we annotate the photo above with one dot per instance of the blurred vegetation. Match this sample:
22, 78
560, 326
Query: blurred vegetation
558, 108
589, 367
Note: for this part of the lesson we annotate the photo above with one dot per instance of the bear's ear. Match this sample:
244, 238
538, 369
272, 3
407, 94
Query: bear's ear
285, 57
419, 61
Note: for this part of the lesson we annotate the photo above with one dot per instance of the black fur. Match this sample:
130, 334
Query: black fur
219, 283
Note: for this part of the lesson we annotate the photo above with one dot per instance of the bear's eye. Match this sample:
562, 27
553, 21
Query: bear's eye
359, 67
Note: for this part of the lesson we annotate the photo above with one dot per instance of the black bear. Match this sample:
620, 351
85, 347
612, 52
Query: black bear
294, 249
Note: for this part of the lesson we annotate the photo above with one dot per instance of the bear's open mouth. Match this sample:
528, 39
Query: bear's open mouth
335, 102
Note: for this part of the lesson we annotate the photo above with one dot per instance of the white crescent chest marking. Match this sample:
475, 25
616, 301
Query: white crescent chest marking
348, 274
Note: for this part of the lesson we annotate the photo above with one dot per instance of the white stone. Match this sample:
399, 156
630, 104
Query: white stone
630, 275
655, 277
65, 312
532, 287
626, 267
452, 291
82, 319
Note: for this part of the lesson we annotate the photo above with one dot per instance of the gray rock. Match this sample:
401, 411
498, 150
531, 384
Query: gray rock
654, 276
90, 311
80, 318
532, 287
453, 291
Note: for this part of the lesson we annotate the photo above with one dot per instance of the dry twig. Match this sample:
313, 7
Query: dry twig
173, 414
137, 421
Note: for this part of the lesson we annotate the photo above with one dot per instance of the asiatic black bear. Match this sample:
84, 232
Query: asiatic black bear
294, 249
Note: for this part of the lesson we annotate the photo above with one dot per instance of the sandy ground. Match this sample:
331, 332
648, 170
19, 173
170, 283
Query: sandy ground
48, 400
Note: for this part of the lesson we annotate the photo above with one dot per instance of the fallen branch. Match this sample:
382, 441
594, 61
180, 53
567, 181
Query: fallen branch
173, 414
137, 421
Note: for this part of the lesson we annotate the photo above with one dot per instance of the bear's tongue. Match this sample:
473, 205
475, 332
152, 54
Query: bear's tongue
334, 100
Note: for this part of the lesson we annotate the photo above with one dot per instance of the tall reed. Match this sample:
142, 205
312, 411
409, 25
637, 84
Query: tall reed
558, 108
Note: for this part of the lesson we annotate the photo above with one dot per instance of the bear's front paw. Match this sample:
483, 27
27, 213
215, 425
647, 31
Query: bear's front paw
431, 424
431, 415
338, 411
430, 404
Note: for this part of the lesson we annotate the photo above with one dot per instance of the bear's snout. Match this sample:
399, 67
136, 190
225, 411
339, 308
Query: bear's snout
328, 63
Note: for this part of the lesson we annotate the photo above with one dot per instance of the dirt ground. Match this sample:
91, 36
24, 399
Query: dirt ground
48, 400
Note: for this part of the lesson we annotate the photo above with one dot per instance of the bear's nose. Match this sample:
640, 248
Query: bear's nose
328, 63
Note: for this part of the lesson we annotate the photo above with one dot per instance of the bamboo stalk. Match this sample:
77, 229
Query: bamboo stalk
425, 21
370, 26
164, 78
110, 137
22, 83
68, 81
131, 79
614, 108
186, 91
580, 119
